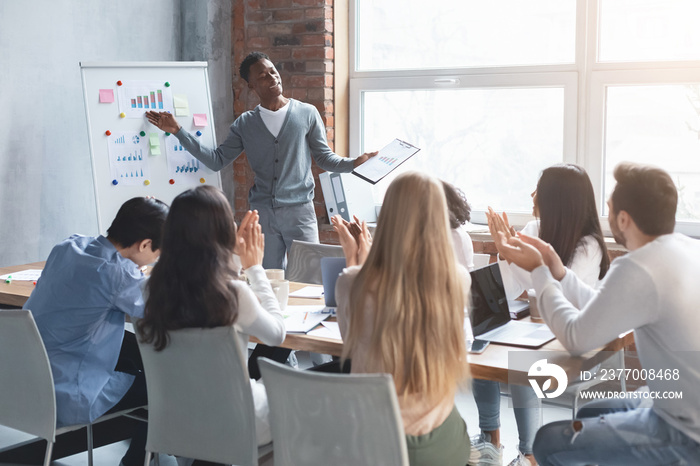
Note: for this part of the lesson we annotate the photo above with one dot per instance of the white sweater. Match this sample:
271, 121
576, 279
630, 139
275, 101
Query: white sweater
585, 264
464, 248
653, 290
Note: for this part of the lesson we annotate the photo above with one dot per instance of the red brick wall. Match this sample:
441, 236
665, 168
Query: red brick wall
297, 35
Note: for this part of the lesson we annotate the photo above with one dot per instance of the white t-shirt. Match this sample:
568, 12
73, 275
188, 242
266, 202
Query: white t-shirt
273, 120
585, 263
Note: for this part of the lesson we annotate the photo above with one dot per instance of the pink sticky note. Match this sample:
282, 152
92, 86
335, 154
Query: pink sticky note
106, 96
200, 119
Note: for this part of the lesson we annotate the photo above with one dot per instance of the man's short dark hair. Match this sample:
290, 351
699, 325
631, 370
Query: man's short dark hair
648, 195
249, 61
138, 219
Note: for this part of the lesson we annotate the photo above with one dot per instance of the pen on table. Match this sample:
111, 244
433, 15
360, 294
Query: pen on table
8, 279
305, 316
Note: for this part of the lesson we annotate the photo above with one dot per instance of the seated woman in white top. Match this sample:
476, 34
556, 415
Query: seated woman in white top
401, 308
460, 213
196, 283
568, 219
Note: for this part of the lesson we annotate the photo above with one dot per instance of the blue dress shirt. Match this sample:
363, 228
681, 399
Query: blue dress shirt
79, 305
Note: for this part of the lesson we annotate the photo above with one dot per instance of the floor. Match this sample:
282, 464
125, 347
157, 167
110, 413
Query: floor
110, 455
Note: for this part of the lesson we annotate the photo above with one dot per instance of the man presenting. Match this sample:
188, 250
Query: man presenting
280, 136
652, 290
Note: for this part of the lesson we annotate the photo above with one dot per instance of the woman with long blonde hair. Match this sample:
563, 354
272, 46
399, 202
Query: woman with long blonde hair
401, 308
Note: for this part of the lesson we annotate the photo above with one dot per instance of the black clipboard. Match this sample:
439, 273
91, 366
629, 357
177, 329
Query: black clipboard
387, 160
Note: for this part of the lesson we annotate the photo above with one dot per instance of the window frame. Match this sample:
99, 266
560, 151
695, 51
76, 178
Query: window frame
585, 82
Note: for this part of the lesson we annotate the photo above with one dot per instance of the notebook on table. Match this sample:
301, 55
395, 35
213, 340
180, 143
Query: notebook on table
490, 316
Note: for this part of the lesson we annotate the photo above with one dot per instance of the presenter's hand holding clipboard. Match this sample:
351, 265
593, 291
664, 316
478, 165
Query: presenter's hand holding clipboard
386, 161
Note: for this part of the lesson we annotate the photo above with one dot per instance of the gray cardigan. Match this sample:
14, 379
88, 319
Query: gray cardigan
282, 165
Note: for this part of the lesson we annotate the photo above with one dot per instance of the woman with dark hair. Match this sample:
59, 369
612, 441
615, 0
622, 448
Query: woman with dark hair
196, 283
459, 211
564, 204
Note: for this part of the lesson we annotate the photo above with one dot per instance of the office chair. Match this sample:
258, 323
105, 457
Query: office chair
200, 400
28, 398
319, 418
304, 261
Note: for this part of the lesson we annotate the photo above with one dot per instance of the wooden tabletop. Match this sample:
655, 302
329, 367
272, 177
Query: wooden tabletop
498, 362
17, 292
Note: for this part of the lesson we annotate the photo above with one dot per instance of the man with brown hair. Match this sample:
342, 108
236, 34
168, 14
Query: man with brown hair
654, 291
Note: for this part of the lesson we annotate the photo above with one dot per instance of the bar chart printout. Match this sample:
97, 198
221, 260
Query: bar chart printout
391, 156
138, 97
182, 165
128, 159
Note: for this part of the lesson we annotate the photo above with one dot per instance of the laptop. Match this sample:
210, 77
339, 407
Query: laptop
490, 316
331, 268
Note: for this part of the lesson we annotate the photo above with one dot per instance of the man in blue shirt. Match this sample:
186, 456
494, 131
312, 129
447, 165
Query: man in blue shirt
87, 288
280, 137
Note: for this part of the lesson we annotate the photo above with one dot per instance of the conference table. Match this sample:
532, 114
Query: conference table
501, 363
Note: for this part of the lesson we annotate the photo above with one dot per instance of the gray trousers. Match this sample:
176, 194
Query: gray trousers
282, 225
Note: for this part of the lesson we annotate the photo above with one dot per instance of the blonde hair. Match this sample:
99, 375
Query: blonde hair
411, 277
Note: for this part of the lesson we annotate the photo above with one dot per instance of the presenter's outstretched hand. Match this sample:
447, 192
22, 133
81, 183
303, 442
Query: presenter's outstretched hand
164, 121
363, 158
250, 241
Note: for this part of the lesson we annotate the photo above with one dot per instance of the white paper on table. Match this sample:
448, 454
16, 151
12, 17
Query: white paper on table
311, 291
329, 330
302, 322
30, 275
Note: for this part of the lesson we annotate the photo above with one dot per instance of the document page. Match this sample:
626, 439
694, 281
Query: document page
386, 161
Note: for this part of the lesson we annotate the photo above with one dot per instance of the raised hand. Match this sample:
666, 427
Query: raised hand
250, 241
517, 251
549, 255
164, 121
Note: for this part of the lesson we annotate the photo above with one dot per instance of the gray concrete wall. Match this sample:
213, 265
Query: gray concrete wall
46, 190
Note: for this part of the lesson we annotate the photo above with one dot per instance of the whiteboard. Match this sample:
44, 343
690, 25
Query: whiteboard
135, 158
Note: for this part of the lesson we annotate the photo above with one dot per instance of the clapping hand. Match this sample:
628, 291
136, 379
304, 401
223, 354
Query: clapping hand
498, 224
250, 241
354, 238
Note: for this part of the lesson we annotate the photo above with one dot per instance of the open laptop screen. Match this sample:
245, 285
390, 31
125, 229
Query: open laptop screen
489, 306
331, 267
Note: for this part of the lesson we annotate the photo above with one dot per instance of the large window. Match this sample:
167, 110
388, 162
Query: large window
494, 92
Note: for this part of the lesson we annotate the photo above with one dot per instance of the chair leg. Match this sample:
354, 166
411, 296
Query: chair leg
157, 459
49, 450
89, 444
623, 383
147, 461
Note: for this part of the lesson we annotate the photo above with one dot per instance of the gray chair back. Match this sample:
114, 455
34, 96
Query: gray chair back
321, 419
28, 401
200, 403
304, 261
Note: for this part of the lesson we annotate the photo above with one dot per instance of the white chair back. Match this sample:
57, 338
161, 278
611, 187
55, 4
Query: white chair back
304, 261
28, 401
200, 403
321, 419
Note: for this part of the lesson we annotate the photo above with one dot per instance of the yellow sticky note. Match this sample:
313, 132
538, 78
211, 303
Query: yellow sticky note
153, 139
155, 150
180, 100
181, 104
